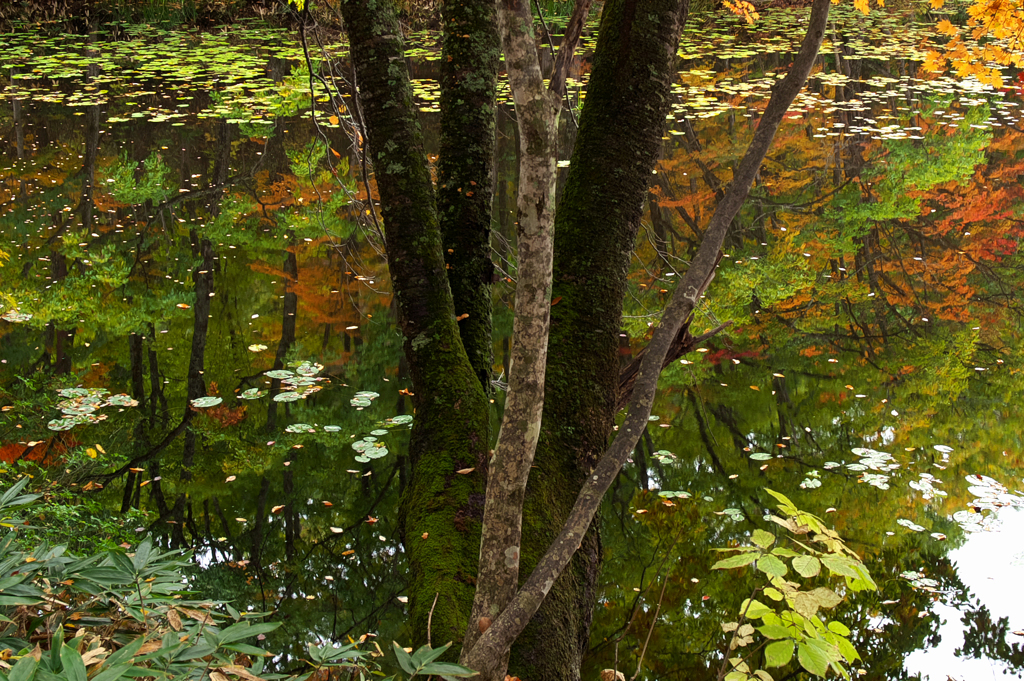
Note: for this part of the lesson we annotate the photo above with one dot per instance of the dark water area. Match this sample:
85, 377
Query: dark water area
198, 339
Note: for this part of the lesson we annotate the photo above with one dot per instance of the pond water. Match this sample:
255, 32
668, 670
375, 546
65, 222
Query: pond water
177, 227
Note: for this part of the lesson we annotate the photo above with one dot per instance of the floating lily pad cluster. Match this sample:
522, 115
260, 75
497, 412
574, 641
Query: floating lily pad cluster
989, 495
919, 581
15, 317
363, 399
926, 486
296, 385
206, 402
872, 459
81, 405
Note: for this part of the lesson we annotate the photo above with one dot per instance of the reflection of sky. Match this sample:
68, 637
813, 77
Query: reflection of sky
991, 565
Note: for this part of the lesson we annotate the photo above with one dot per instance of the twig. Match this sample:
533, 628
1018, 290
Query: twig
654, 620
430, 617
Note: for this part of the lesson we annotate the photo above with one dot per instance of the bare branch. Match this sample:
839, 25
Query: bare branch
570, 41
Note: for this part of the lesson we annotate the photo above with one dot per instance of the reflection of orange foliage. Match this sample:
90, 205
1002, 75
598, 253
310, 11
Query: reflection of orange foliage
45, 453
225, 415
810, 351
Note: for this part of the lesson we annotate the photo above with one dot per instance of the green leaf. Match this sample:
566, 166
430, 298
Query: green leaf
755, 610
785, 553
763, 675
245, 629
735, 561
113, 673
762, 538
24, 670
447, 669
775, 631
785, 504
814, 656
846, 649
404, 661
773, 594
807, 566
839, 628
74, 667
779, 653
736, 676
770, 565
840, 565
425, 654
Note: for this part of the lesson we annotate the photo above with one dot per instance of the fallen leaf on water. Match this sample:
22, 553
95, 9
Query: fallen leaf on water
425, 535
327, 503
371, 519
403, 599
183, 306
465, 471
137, 470
337, 530
348, 553
241, 520
230, 478
277, 509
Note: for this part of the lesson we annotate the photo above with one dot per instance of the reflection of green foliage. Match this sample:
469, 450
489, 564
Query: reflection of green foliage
153, 185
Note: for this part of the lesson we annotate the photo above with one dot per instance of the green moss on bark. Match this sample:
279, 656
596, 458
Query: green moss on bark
619, 141
469, 76
441, 510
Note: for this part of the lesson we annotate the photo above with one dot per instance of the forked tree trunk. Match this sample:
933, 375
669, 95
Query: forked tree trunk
440, 510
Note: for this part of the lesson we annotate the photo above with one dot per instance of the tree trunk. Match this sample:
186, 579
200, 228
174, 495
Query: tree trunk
441, 510
469, 81
619, 141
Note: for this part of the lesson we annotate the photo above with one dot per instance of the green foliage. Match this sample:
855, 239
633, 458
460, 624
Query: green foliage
793, 624
116, 614
152, 185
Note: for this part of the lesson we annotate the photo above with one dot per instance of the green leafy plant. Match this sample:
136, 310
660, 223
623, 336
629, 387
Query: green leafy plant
424, 662
117, 614
791, 624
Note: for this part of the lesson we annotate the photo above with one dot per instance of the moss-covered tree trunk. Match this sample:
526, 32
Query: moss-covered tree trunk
441, 510
619, 141
469, 81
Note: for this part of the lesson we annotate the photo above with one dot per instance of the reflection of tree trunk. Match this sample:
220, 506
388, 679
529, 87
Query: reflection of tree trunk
156, 388
140, 440
291, 307
259, 525
63, 339
202, 278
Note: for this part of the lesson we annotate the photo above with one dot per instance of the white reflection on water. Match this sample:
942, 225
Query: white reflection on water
991, 565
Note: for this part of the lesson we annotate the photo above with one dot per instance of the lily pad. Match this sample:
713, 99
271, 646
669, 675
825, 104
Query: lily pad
202, 402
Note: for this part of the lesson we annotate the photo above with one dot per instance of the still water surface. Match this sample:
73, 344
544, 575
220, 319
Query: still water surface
178, 227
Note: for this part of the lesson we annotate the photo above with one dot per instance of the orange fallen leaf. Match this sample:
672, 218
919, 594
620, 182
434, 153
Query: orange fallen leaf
277, 509
371, 520
348, 553
333, 120
183, 306
327, 503
462, 316
556, 301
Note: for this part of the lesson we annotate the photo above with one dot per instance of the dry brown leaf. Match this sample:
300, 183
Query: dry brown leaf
217, 676
174, 620
465, 471
198, 615
239, 671
93, 656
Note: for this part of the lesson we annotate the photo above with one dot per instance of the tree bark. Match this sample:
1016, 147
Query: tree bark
469, 81
619, 141
537, 113
510, 624
440, 510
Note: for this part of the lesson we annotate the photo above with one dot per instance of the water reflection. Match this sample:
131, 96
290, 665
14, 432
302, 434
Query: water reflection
872, 373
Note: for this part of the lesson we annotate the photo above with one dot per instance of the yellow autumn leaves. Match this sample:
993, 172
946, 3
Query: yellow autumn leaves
1000, 22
